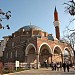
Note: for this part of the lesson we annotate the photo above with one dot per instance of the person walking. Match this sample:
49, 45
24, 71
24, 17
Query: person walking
60, 66
52, 66
46, 65
55, 66
64, 66
67, 65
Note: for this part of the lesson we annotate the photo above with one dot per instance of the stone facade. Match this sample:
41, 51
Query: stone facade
2, 46
34, 46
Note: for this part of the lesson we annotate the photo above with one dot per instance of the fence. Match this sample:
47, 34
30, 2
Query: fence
10, 65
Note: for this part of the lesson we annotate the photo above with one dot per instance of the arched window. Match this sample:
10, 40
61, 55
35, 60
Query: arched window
11, 55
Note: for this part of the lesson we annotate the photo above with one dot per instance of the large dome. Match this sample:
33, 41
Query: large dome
28, 27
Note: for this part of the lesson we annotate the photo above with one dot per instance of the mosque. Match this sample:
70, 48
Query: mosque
30, 45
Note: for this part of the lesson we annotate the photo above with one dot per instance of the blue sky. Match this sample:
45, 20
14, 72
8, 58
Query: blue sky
38, 12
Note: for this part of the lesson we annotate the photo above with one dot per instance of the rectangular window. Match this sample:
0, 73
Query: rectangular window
16, 53
11, 55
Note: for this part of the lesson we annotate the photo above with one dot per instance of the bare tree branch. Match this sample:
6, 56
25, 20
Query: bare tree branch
3, 16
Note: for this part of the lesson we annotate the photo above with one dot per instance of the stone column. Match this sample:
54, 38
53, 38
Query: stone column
51, 58
62, 56
37, 63
26, 58
26, 65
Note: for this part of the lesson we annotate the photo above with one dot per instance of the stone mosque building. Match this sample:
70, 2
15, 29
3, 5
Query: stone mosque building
31, 45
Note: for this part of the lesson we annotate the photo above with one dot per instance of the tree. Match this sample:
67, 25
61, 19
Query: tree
70, 7
3, 16
69, 38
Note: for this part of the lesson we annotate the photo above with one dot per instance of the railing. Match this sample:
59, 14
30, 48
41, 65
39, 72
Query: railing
21, 65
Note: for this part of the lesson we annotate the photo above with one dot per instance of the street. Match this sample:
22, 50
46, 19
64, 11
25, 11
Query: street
43, 71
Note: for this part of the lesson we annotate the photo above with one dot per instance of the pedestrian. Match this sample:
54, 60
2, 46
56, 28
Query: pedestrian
64, 66
67, 65
52, 66
46, 65
55, 66
58, 66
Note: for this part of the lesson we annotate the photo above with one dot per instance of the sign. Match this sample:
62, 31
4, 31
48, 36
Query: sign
17, 63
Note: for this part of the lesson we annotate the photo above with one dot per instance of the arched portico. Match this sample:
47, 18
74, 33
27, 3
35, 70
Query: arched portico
67, 54
57, 54
29, 46
30, 54
45, 53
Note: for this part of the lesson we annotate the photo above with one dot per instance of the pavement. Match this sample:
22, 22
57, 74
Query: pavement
43, 71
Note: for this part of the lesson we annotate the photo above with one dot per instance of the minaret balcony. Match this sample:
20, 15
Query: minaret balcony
56, 23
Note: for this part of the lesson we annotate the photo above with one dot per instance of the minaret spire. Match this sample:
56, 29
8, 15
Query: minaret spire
55, 9
55, 14
56, 24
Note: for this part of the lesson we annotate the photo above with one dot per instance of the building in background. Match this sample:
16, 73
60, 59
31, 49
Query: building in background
32, 46
3, 46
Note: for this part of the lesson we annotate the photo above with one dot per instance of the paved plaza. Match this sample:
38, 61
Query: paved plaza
43, 71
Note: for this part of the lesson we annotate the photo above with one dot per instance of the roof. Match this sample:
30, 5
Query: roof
28, 27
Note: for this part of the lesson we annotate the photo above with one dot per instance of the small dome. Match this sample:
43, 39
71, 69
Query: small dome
50, 37
55, 39
30, 27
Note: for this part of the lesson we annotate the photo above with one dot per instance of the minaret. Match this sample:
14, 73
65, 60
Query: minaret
56, 24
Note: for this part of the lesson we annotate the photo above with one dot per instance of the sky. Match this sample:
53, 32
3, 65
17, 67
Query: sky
36, 12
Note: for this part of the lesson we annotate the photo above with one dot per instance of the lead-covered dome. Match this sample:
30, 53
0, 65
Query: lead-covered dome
28, 27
